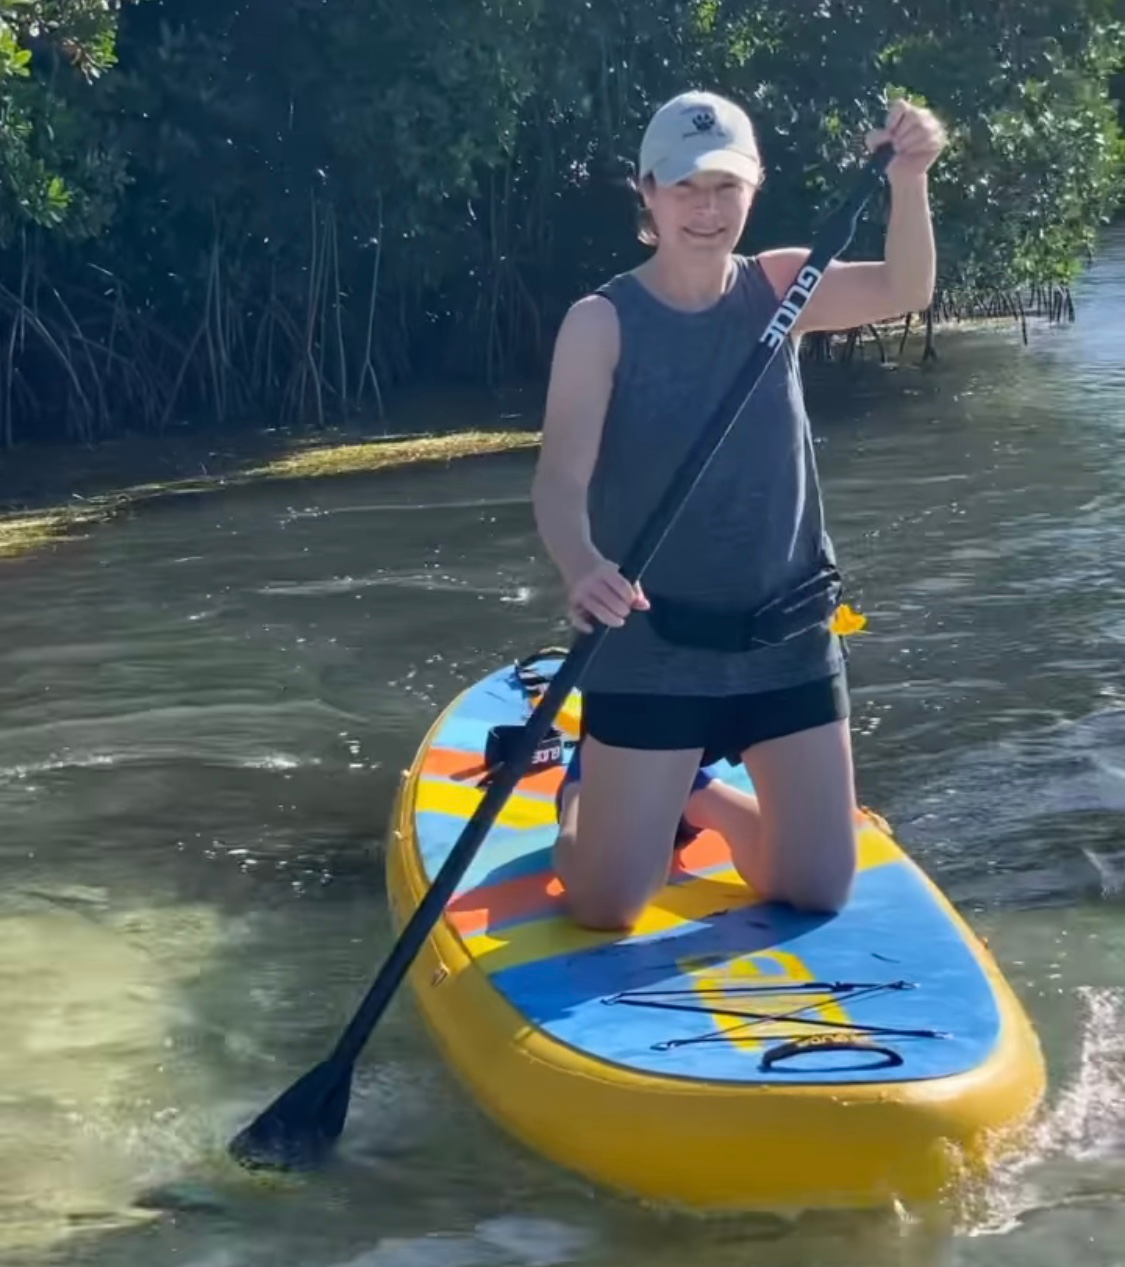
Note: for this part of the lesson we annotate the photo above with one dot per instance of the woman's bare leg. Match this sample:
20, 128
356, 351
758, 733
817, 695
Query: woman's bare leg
806, 793
615, 842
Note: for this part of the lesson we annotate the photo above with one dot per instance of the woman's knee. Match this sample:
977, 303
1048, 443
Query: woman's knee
819, 876
594, 899
820, 894
601, 913
601, 898
615, 844
805, 785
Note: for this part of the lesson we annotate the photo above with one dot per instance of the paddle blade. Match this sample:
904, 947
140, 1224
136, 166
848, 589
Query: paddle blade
300, 1127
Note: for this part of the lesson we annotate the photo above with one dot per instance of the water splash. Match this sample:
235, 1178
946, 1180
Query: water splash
1085, 1126
1110, 869
1088, 1122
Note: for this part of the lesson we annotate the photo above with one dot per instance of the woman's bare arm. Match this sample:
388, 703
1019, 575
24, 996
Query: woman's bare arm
585, 357
857, 294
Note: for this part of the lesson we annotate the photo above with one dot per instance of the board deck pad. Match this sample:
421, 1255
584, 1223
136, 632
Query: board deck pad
712, 977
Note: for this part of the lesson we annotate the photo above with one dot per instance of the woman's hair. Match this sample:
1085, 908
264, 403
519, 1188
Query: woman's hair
646, 225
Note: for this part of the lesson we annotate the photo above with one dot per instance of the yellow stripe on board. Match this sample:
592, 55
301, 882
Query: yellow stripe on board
676, 904
718, 984
545, 937
876, 848
459, 800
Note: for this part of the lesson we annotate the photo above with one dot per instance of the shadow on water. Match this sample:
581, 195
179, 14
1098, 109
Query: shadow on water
202, 719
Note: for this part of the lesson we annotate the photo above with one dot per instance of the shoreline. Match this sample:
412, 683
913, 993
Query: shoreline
42, 503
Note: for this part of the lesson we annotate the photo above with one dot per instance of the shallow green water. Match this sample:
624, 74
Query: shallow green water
203, 713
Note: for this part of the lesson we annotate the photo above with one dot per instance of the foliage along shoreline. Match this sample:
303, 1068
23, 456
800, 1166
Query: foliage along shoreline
279, 212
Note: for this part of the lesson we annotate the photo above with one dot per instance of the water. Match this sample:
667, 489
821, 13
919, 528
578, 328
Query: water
203, 713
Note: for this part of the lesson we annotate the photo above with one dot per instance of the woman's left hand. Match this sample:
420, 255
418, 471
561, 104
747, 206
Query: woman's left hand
917, 136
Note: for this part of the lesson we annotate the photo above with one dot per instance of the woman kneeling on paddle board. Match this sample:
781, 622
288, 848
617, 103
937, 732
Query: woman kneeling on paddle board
727, 650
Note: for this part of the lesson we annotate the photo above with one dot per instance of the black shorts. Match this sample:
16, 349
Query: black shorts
722, 725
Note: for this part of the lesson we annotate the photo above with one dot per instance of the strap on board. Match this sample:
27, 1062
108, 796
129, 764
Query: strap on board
502, 739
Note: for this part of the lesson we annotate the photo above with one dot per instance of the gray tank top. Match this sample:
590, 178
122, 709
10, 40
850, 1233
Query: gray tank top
753, 526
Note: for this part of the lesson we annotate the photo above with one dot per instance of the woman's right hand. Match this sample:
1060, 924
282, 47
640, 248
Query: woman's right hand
602, 593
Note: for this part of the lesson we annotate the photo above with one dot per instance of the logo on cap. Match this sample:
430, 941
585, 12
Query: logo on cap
703, 120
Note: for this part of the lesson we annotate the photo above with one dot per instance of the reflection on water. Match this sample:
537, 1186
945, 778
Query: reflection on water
203, 713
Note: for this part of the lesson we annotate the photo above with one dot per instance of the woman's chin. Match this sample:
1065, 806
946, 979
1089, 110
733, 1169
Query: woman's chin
714, 244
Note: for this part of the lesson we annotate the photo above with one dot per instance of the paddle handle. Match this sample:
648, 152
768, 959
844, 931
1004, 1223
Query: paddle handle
832, 239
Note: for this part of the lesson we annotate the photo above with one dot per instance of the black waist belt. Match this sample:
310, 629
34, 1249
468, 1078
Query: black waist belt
810, 604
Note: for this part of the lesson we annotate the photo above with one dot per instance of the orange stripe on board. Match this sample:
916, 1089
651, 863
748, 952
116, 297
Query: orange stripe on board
480, 909
540, 894
707, 850
467, 767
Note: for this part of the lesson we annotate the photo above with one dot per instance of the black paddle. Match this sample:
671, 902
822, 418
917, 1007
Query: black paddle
300, 1127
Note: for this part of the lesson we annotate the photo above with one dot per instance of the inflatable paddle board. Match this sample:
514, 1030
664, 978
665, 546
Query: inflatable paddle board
728, 1053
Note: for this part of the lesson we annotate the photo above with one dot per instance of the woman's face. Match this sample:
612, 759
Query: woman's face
705, 213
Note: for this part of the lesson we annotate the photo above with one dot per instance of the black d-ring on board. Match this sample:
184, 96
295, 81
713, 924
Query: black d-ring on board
801, 1046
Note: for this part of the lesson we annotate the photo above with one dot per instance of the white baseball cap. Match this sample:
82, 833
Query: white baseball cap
699, 132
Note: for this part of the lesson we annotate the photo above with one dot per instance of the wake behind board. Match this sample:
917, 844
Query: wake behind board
728, 1053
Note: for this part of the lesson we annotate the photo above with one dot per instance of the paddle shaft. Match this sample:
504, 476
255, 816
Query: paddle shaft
833, 238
